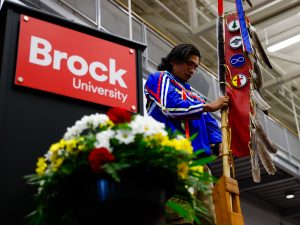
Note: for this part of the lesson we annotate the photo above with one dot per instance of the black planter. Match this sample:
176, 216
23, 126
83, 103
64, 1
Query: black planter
137, 202
83, 199
139, 199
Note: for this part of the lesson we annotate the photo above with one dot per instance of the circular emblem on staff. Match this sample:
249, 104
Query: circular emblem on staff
237, 60
235, 42
239, 80
234, 26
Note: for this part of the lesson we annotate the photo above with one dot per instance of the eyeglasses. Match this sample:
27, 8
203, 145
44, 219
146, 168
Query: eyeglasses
191, 64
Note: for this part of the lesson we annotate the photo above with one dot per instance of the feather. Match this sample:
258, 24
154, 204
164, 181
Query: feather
261, 135
262, 104
265, 158
256, 75
259, 47
254, 157
249, 3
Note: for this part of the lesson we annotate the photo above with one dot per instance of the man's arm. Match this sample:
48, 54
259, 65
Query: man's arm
221, 102
160, 89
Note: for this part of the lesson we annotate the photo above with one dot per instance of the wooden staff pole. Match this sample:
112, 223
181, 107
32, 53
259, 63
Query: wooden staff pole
222, 80
226, 191
225, 142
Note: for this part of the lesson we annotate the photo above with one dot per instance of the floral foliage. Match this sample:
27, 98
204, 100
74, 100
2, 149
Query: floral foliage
107, 145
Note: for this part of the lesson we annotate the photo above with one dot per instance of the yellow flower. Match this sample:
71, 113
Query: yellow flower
155, 139
41, 166
63, 144
183, 170
169, 143
185, 145
109, 123
55, 147
71, 145
197, 169
160, 137
57, 163
179, 144
81, 147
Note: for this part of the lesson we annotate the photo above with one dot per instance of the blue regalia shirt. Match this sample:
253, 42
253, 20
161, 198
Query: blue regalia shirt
180, 108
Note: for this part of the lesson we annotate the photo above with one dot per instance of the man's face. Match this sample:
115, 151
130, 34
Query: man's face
185, 70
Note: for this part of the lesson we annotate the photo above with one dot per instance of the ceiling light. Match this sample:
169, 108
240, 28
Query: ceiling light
284, 44
289, 195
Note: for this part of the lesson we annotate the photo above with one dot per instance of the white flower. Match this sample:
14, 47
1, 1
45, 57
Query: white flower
98, 119
92, 121
61, 152
48, 155
125, 136
180, 137
103, 139
191, 190
147, 126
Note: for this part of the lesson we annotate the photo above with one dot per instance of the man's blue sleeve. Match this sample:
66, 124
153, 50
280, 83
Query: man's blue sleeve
213, 130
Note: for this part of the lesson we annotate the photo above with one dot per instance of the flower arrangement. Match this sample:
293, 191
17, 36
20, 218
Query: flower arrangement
107, 145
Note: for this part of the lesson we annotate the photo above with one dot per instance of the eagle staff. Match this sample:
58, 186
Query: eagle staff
226, 191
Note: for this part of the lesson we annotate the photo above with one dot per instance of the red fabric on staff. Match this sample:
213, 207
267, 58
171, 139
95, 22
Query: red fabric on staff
220, 7
239, 107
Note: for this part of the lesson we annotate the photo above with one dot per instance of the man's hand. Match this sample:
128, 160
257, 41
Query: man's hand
221, 102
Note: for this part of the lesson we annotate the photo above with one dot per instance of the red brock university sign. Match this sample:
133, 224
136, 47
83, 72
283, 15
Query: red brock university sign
56, 59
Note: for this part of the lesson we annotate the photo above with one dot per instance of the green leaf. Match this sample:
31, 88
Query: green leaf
182, 209
178, 209
122, 126
193, 136
203, 161
113, 169
66, 169
198, 152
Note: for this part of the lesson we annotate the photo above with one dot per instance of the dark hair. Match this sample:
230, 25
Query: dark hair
178, 54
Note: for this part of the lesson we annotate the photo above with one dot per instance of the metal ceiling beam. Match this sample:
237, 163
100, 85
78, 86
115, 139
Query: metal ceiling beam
276, 12
184, 24
284, 57
208, 43
277, 68
205, 28
174, 15
166, 24
262, 6
143, 4
211, 7
281, 80
282, 103
203, 15
193, 17
250, 11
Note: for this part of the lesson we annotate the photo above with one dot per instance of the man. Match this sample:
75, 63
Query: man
172, 101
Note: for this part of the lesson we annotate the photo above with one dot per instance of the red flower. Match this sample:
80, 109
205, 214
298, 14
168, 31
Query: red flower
98, 157
118, 115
